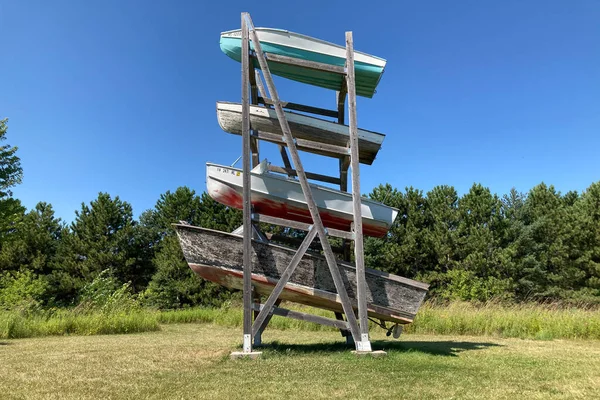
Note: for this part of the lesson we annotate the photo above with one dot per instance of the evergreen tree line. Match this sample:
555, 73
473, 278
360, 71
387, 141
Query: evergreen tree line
540, 246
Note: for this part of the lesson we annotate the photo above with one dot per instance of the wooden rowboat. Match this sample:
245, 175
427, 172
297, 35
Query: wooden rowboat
281, 197
217, 257
302, 126
289, 44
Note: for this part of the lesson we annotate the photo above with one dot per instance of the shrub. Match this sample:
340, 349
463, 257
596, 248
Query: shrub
22, 290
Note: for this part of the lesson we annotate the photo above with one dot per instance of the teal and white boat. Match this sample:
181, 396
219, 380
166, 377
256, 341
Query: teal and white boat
368, 68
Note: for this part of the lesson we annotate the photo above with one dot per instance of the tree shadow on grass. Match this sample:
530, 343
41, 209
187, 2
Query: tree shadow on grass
447, 348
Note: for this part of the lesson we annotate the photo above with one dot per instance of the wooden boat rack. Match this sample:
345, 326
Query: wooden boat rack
355, 329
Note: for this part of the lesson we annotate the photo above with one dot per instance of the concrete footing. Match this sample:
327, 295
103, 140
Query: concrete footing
376, 353
253, 355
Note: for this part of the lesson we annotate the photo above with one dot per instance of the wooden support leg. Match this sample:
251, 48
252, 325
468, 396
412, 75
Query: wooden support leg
361, 285
258, 334
261, 328
247, 212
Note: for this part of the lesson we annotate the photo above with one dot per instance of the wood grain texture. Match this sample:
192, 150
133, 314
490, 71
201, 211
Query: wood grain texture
327, 150
343, 325
356, 196
283, 280
301, 107
298, 225
309, 175
247, 260
317, 131
215, 255
318, 224
276, 58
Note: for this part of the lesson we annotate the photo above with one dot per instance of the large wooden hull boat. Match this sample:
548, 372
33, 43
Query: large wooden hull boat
217, 257
281, 197
289, 44
302, 127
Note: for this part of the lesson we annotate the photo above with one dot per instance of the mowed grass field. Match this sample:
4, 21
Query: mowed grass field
189, 361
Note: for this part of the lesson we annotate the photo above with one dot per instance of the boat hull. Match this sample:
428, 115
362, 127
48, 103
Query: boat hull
283, 198
368, 69
265, 119
217, 257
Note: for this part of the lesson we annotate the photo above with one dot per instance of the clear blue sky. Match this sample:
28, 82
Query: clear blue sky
119, 96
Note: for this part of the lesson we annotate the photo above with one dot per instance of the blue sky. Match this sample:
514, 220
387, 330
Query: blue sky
119, 96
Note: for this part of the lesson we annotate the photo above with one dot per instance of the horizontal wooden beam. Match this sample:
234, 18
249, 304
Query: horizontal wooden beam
306, 317
299, 225
330, 150
303, 63
309, 175
315, 246
301, 108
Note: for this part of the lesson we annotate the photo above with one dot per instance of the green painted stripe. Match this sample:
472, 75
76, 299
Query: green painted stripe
367, 75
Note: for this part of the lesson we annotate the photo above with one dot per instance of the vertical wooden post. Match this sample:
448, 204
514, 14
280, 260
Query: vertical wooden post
258, 335
254, 146
344, 163
361, 285
247, 290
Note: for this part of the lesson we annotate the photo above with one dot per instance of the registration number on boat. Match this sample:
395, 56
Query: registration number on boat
228, 171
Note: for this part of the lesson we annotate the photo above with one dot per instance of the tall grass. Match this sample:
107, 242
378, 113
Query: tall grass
530, 321
233, 317
527, 321
69, 322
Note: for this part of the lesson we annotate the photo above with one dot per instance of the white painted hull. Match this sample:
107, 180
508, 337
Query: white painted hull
283, 198
302, 126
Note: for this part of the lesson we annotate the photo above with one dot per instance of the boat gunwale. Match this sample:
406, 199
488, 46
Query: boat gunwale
282, 178
300, 289
374, 222
309, 38
310, 117
370, 271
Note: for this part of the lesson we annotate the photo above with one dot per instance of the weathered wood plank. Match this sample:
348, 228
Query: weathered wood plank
304, 145
283, 280
301, 107
344, 164
285, 158
318, 223
341, 102
295, 242
263, 95
256, 301
303, 63
308, 317
309, 175
259, 84
218, 256
262, 327
298, 225
254, 146
247, 212
356, 198
309, 129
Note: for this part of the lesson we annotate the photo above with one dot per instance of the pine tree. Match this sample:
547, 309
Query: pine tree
174, 284
11, 174
100, 238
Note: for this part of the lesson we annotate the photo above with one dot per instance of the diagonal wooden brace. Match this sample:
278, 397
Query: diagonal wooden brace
318, 223
283, 280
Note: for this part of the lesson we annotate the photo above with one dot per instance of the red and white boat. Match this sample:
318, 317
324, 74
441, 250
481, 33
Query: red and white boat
282, 197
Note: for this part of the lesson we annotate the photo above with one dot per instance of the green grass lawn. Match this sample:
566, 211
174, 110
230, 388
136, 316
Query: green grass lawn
186, 361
